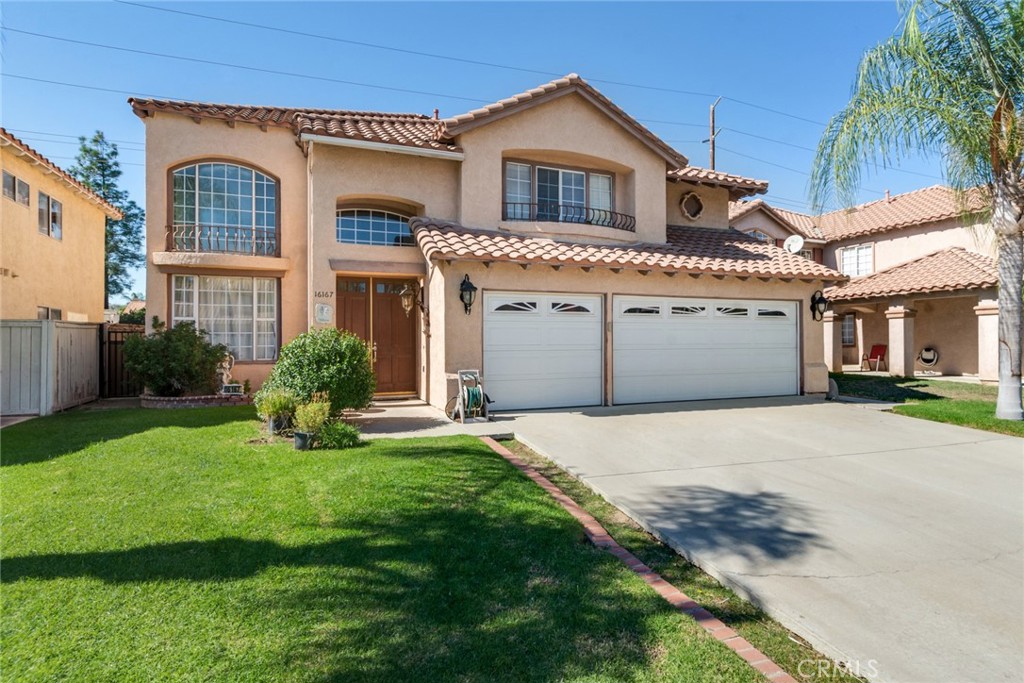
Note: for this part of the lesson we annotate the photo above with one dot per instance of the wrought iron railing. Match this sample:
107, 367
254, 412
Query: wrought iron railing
223, 239
563, 213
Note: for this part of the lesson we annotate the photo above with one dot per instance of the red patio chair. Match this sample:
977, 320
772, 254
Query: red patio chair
876, 356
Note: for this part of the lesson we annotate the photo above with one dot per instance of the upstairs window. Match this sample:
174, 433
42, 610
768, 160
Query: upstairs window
857, 260
224, 208
51, 216
761, 236
373, 226
564, 195
16, 189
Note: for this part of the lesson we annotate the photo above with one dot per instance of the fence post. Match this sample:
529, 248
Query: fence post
47, 366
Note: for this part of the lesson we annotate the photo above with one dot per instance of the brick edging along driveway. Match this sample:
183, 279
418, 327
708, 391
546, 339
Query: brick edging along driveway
682, 602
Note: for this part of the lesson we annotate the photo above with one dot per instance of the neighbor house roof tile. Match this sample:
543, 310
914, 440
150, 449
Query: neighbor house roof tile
689, 250
947, 270
920, 207
7, 139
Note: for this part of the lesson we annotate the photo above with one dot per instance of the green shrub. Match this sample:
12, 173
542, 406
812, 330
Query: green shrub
274, 403
339, 434
137, 317
328, 361
174, 362
310, 417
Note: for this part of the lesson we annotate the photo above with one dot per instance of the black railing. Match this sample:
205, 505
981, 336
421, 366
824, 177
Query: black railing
563, 213
222, 239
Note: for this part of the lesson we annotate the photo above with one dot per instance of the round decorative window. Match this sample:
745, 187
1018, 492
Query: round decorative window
691, 205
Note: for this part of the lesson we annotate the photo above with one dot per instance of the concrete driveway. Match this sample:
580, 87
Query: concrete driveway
891, 543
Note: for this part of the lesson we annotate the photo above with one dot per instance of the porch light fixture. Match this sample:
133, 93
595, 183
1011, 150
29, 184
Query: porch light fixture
412, 296
819, 304
467, 293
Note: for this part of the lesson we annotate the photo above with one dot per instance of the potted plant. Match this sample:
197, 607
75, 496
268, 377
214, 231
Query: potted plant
276, 406
309, 418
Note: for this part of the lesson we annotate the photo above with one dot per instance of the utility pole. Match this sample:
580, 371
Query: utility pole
714, 134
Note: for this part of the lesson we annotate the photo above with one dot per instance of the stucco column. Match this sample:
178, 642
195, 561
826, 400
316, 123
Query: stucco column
901, 340
833, 341
987, 312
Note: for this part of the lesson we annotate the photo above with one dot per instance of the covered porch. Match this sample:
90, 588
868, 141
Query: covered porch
936, 316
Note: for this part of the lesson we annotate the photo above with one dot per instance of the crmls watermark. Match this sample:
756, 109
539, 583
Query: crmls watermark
824, 667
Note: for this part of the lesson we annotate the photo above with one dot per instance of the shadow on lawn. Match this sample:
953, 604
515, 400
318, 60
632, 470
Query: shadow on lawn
438, 592
50, 437
894, 389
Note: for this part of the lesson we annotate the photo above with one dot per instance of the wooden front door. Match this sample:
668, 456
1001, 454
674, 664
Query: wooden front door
371, 308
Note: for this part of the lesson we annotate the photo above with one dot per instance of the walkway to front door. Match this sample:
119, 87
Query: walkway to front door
371, 308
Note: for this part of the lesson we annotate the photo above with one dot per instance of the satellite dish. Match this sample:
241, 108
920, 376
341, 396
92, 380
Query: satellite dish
793, 244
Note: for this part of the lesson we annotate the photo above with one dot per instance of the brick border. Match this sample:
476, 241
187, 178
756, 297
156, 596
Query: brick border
600, 537
173, 402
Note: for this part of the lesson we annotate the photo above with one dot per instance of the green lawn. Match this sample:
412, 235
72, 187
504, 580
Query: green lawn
163, 545
969, 405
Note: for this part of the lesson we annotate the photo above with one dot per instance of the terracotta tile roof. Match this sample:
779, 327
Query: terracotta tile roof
705, 176
243, 113
920, 207
799, 223
6, 139
563, 86
948, 270
412, 130
689, 250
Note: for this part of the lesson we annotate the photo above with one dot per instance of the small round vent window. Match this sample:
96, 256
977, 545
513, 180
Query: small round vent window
691, 205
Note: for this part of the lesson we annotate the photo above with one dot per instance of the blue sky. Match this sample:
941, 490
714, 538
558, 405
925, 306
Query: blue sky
798, 58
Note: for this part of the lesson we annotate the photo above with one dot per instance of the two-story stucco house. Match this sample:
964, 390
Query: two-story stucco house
920, 278
53, 239
604, 267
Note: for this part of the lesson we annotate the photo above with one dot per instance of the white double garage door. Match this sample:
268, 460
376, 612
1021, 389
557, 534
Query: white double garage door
547, 350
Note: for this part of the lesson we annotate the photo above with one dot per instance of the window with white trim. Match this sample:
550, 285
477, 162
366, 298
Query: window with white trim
239, 312
807, 254
373, 226
849, 330
566, 195
857, 260
16, 189
51, 217
226, 208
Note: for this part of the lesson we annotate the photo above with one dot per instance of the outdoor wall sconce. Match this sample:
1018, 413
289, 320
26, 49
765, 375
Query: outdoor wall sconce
819, 304
467, 293
411, 296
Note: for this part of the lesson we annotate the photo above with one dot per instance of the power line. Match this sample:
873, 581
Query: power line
120, 148
67, 135
785, 168
275, 72
88, 87
463, 60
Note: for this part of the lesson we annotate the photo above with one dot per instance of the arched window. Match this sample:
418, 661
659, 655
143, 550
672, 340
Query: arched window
758, 235
373, 226
223, 207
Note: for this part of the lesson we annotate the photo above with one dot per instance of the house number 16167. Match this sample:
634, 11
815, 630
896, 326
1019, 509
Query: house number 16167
323, 294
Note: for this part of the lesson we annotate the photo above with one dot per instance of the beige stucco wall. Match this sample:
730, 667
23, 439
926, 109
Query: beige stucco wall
898, 246
716, 205
567, 130
463, 334
173, 140
66, 273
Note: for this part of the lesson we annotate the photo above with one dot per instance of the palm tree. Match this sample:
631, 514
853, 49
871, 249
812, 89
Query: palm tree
950, 81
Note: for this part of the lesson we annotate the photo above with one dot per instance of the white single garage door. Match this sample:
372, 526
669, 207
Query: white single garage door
669, 349
542, 350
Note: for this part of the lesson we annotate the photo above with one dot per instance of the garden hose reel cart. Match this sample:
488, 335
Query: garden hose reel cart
471, 401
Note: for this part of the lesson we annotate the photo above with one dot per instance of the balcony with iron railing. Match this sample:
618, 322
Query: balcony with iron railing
223, 239
566, 213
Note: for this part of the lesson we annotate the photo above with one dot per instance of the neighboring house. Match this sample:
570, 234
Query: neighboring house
53, 239
604, 266
921, 278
